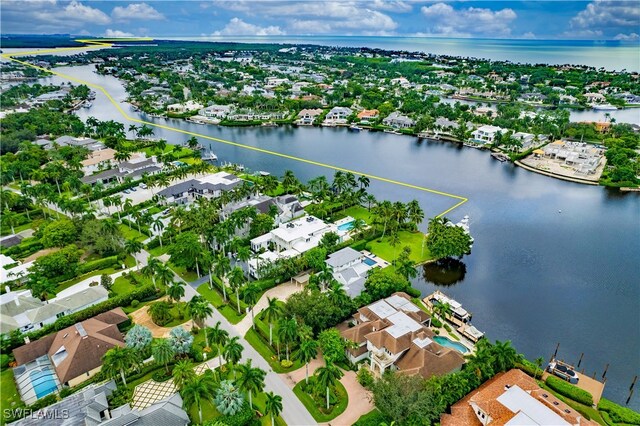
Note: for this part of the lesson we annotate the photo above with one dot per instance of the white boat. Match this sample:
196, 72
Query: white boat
355, 128
209, 156
87, 105
605, 107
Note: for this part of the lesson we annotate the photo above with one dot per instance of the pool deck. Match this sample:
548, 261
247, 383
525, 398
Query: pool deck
379, 261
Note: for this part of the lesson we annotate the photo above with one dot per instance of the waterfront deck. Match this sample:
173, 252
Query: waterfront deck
594, 387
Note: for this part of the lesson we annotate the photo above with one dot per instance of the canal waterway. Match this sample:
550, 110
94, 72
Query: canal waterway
553, 261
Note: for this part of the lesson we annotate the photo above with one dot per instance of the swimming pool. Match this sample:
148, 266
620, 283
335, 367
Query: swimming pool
446, 342
369, 261
346, 226
43, 382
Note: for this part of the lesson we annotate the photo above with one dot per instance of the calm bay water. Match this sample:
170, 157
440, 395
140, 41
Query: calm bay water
553, 261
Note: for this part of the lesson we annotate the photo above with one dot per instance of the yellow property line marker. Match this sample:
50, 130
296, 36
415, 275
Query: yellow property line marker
100, 43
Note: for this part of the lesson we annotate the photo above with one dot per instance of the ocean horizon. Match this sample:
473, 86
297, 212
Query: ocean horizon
613, 55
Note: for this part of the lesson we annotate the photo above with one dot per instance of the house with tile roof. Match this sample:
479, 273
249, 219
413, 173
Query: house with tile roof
394, 334
74, 353
512, 398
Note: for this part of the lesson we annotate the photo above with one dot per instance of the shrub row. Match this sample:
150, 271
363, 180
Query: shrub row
618, 413
27, 247
111, 303
98, 264
570, 391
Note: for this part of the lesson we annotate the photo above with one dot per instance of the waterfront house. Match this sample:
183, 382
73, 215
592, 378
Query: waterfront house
595, 98
367, 115
584, 158
216, 111
529, 140
306, 117
288, 240
350, 268
338, 114
512, 398
485, 111
398, 121
486, 134
185, 107
394, 334
74, 354
209, 186
21, 311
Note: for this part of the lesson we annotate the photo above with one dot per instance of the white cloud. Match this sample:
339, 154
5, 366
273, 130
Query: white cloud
529, 35
627, 37
49, 16
603, 14
116, 33
136, 11
390, 6
339, 17
444, 20
237, 26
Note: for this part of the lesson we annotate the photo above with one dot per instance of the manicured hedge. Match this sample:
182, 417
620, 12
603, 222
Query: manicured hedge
618, 413
98, 264
26, 248
529, 368
132, 225
570, 391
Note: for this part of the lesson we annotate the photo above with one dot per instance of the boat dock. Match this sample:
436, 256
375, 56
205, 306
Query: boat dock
500, 156
568, 372
457, 316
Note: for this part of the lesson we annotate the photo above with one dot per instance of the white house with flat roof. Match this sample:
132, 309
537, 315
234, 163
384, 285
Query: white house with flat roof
350, 268
486, 134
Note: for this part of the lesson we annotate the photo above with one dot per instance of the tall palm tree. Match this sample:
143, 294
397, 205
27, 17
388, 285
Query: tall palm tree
118, 360
162, 352
272, 313
221, 267
232, 351
273, 406
219, 337
132, 247
151, 269
165, 275
288, 331
199, 310
199, 388
158, 226
307, 351
327, 377
183, 372
251, 379
250, 296
236, 279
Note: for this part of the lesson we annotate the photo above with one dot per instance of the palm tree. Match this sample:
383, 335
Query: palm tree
236, 279
272, 313
288, 331
158, 226
117, 360
415, 213
132, 247
165, 275
273, 406
183, 373
251, 379
363, 181
228, 400
219, 337
221, 267
504, 356
198, 388
327, 377
232, 351
175, 291
159, 312
162, 352
199, 309
250, 296
151, 269
192, 142
443, 310
307, 351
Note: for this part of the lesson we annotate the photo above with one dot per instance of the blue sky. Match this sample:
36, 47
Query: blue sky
597, 19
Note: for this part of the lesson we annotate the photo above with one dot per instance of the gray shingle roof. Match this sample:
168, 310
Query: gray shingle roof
343, 257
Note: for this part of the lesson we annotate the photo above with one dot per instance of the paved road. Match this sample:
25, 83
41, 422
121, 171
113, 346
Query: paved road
293, 412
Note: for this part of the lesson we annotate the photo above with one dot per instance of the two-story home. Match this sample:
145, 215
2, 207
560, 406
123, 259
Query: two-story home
398, 121
338, 114
486, 134
210, 186
393, 334
306, 117
350, 268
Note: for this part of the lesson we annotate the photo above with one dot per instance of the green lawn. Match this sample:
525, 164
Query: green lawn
10, 396
412, 239
267, 353
131, 234
229, 312
356, 212
159, 251
188, 276
129, 262
318, 412
373, 417
175, 313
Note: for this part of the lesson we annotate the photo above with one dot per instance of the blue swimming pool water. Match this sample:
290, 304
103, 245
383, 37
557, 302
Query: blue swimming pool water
43, 382
445, 341
346, 226
369, 261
